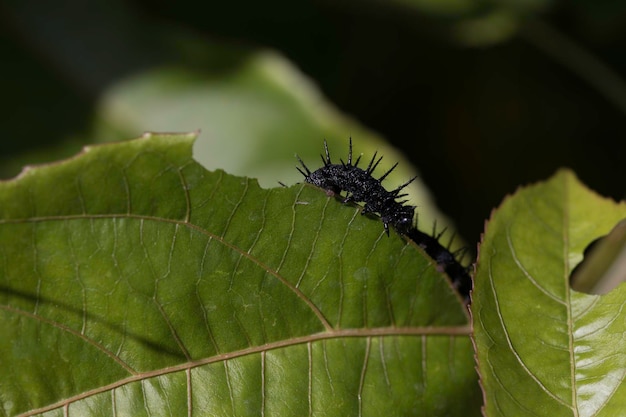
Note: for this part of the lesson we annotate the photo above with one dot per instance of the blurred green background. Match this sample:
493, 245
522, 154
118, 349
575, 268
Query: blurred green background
479, 96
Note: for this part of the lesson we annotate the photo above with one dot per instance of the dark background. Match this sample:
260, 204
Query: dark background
478, 118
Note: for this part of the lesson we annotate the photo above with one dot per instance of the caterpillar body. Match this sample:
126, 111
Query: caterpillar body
360, 186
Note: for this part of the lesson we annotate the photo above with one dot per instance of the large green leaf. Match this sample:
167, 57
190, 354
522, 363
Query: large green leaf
542, 348
135, 282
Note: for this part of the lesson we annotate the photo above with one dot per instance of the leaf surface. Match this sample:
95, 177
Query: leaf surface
135, 282
542, 348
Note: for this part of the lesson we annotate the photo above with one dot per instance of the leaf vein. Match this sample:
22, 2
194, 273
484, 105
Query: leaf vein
457, 331
73, 332
512, 348
528, 276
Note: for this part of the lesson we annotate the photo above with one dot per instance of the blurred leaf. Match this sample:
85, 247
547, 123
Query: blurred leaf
255, 110
135, 282
542, 348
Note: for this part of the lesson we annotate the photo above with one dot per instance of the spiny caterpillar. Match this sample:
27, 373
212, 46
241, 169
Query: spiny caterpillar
361, 187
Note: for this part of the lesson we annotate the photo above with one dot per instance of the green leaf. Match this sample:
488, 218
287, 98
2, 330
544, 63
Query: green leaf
135, 282
542, 348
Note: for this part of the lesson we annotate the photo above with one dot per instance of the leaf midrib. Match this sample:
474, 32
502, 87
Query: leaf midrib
568, 300
452, 331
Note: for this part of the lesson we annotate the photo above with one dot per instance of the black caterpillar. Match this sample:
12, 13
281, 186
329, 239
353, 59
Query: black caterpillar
360, 186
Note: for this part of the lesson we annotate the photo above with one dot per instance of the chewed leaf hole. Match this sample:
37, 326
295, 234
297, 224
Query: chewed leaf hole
604, 263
